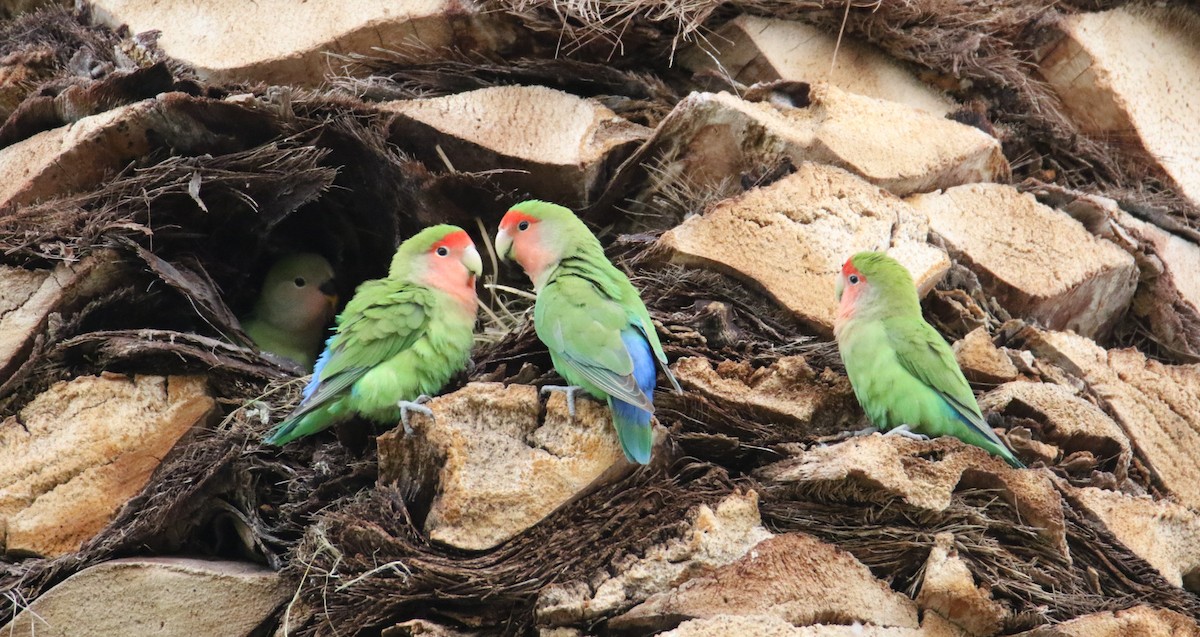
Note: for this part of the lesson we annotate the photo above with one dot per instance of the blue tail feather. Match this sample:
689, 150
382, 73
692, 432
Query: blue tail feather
322, 360
633, 423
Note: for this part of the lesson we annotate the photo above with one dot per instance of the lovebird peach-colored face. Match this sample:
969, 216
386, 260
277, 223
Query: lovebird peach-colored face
520, 237
851, 285
452, 265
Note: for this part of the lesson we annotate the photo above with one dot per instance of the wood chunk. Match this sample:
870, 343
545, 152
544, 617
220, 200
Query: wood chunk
160, 596
284, 42
924, 474
949, 589
750, 49
552, 144
710, 136
715, 537
1163, 533
1068, 421
815, 219
499, 470
981, 361
788, 390
1139, 621
1037, 261
67, 159
1169, 297
28, 297
772, 626
1134, 74
793, 576
1157, 405
82, 448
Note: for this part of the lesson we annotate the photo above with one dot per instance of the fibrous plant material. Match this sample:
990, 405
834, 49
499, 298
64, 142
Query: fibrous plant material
194, 221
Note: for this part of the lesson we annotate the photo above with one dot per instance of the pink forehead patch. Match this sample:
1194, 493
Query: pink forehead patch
455, 241
848, 268
513, 217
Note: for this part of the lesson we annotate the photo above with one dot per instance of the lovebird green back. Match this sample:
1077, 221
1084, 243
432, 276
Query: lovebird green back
903, 372
294, 307
400, 336
590, 317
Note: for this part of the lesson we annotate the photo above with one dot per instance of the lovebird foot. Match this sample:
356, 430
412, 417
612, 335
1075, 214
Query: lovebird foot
906, 432
418, 406
569, 390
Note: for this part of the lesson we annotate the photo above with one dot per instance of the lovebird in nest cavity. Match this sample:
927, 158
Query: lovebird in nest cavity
295, 305
399, 339
904, 374
590, 316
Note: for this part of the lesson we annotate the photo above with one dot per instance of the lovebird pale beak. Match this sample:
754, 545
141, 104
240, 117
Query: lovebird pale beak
837, 288
472, 261
503, 244
329, 289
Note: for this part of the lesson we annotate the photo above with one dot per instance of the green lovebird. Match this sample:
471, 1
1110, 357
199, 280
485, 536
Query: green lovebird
903, 372
295, 305
589, 315
399, 339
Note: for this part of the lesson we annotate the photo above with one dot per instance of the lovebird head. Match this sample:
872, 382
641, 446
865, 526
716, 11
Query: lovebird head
441, 257
537, 235
298, 294
873, 285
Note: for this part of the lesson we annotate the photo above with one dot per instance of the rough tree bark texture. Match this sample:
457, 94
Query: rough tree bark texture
1031, 162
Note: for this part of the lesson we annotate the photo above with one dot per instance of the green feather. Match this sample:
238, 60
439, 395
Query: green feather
903, 372
581, 310
396, 340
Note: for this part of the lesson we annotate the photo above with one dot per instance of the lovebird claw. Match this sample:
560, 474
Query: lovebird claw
905, 431
417, 406
569, 390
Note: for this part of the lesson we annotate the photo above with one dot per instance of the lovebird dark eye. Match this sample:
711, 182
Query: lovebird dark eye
853, 279
442, 251
299, 281
523, 226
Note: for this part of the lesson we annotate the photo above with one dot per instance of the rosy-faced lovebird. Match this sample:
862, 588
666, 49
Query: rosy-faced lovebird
399, 339
293, 309
589, 316
903, 372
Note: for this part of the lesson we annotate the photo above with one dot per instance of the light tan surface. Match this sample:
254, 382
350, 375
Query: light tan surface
553, 144
710, 136
155, 597
281, 41
1068, 421
1133, 74
82, 448
949, 589
1037, 261
794, 577
1139, 621
76, 156
1157, 405
772, 626
788, 389
504, 468
716, 537
924, 474
981, 361
752, 49
1163, 533
792, 237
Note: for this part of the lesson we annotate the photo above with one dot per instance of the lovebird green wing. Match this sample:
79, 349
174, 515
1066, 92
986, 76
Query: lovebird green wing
926, 356
582, 328
384, 320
